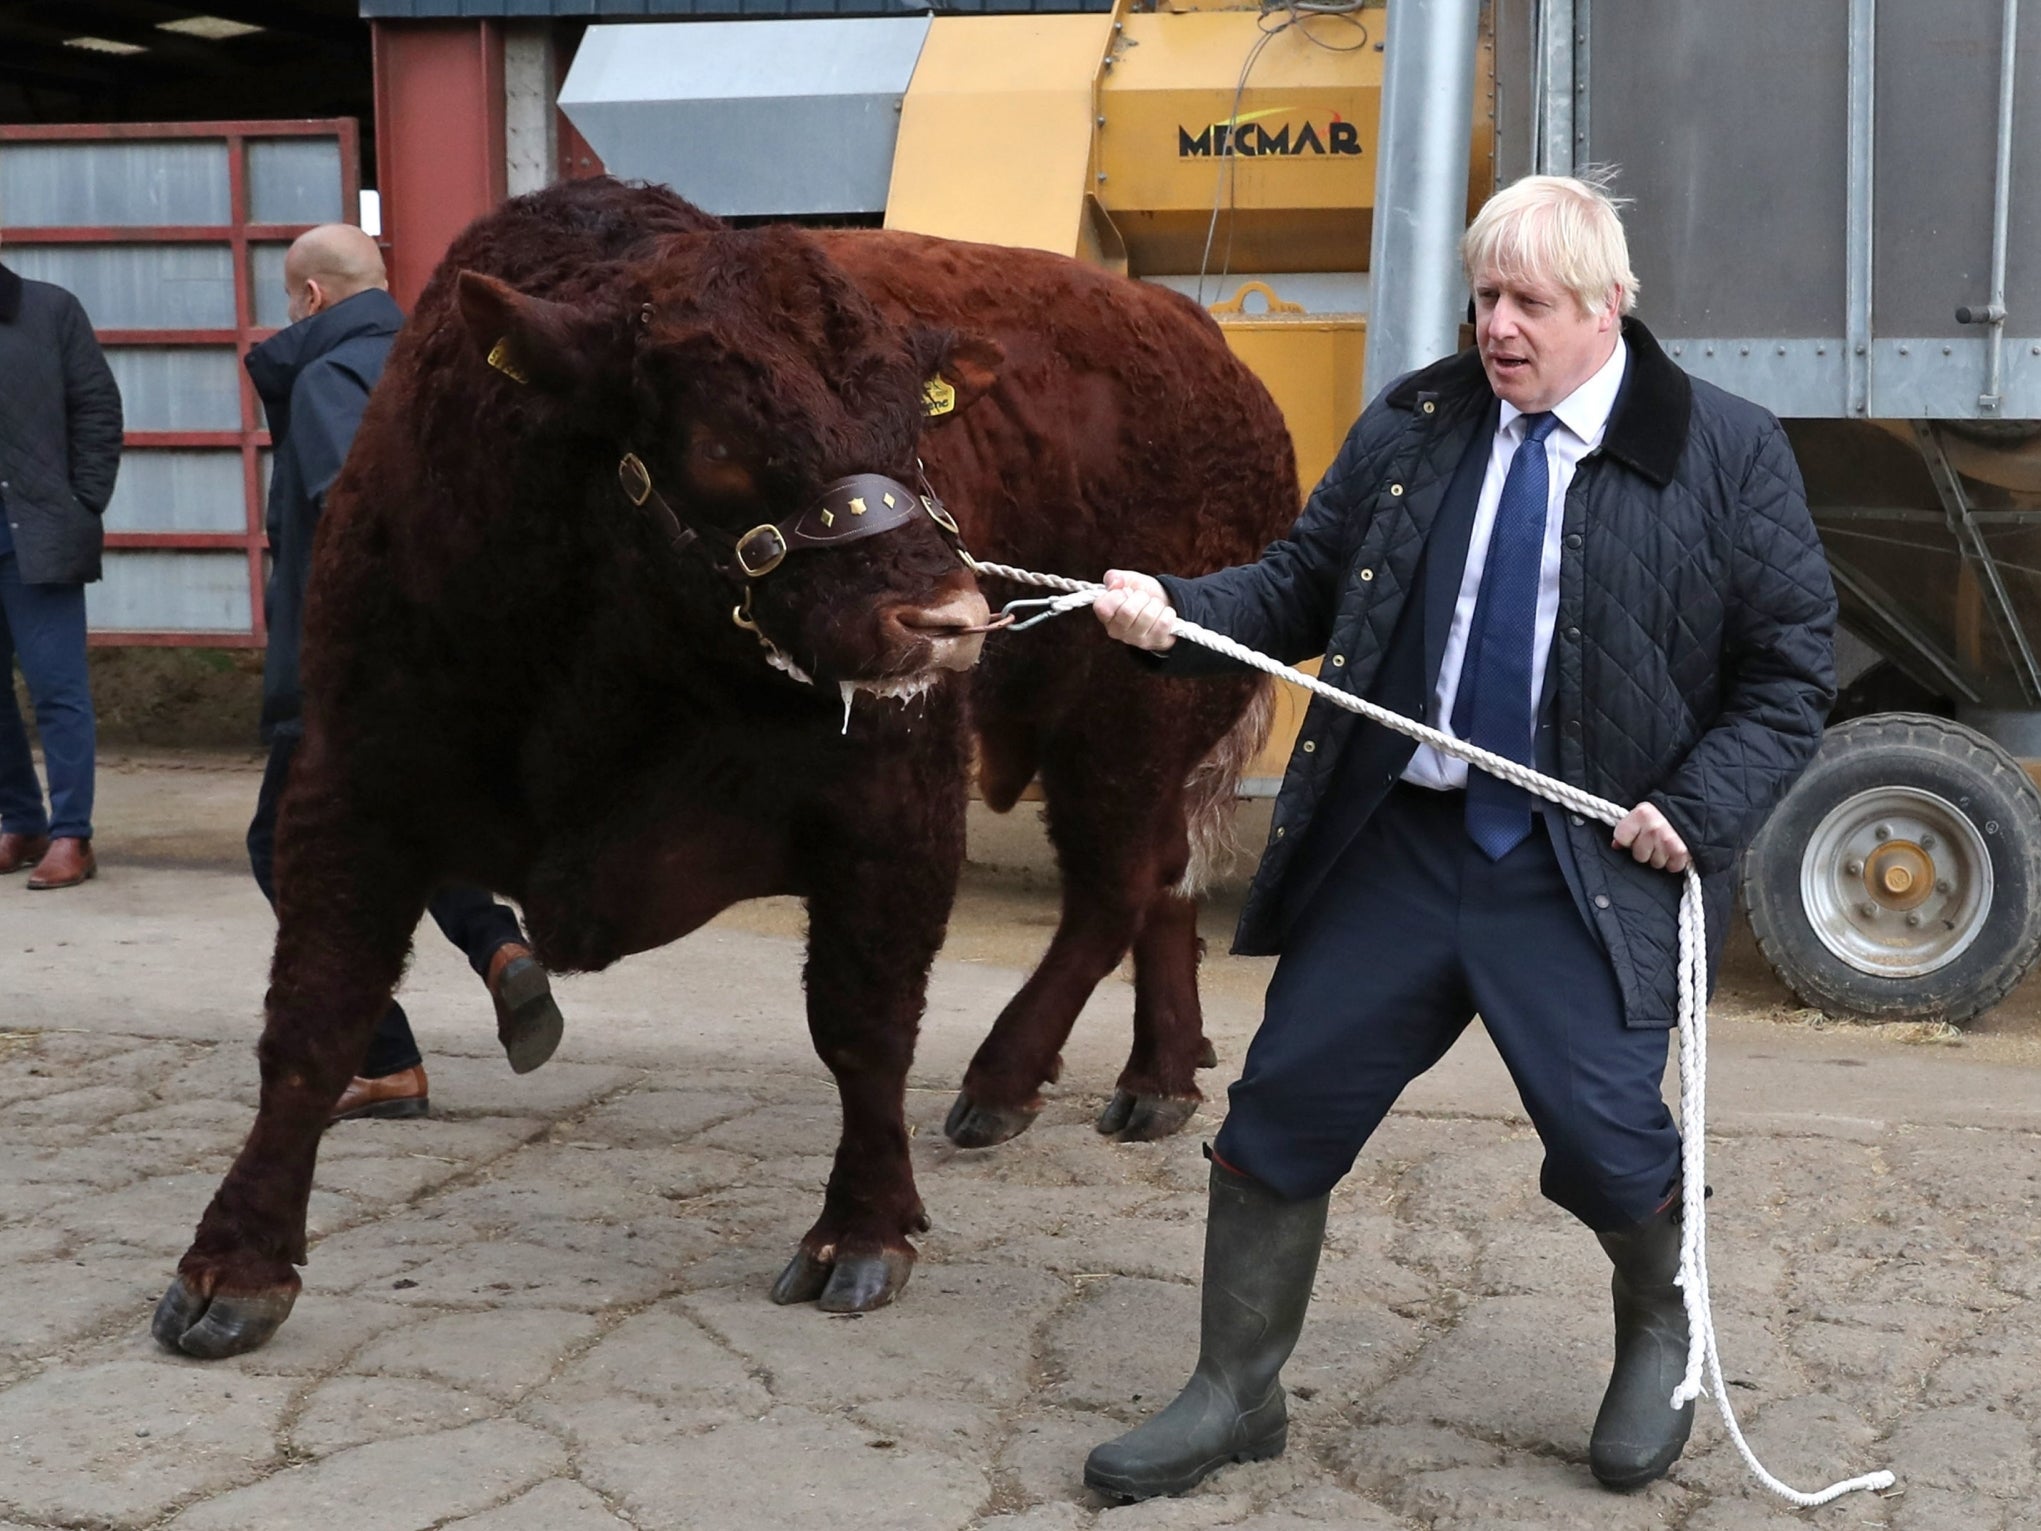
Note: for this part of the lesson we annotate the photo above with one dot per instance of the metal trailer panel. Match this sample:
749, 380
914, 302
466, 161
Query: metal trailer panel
1815, 188
784, 118
1515, 104
1937, 118
1728, 124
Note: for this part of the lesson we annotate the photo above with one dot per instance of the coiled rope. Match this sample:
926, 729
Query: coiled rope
1703, 1358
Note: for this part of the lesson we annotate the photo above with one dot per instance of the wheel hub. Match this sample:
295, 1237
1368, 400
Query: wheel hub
1900, 875
1896, 881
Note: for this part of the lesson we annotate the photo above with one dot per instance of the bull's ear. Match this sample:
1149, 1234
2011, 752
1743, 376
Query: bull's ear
969, 369
555, 347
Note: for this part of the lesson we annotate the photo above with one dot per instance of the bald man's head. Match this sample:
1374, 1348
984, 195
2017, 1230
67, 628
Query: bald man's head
328, 265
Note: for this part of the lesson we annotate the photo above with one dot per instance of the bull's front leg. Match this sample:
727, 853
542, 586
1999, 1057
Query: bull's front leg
348, 901
876, 916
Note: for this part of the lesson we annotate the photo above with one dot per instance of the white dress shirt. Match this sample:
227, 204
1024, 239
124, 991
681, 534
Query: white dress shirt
1583, 417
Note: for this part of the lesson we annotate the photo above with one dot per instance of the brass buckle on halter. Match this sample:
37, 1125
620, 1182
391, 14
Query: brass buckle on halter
636, 479
760, 551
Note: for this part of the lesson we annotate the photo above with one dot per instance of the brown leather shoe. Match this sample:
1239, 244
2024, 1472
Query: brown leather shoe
68, 862
528, 1022
398, 1094
20, 852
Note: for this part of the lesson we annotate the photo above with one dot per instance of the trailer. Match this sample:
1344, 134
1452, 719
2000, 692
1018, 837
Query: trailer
1836, 211
1839, 216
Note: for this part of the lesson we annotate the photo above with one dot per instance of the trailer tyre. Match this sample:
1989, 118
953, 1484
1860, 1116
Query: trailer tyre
1900, 879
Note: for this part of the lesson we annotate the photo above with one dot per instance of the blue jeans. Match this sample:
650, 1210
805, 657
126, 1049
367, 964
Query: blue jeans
44, 627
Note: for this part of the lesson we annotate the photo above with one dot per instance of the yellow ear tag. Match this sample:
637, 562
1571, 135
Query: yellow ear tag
499, 358
937, 397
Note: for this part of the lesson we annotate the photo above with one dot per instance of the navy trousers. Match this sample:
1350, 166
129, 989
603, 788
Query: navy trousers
43, 626
1413, 932
468, 917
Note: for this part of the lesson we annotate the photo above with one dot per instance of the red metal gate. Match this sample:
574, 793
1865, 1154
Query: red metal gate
245, 190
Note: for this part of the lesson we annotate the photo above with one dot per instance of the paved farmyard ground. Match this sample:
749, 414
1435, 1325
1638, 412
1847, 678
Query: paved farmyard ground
544, 1309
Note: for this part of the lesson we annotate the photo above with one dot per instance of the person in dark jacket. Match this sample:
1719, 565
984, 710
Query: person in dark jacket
314, 379
1561, 548
60, 441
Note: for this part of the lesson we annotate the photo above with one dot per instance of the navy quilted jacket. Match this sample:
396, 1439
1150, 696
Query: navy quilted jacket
1693, 659
60, 432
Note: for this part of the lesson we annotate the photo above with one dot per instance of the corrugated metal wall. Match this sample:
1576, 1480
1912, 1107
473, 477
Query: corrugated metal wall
173, 238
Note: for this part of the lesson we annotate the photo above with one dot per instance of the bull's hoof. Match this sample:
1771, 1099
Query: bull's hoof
1144, 1118
1208, 1055
220, 1326
970, 1125
851, 1283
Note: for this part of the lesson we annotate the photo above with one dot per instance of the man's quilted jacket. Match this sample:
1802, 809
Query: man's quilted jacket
1693, 658
60, 432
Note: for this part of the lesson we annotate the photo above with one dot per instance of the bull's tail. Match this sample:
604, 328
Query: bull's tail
1210, 789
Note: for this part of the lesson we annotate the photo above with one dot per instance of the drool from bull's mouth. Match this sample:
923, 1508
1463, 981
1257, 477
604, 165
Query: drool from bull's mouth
904, 689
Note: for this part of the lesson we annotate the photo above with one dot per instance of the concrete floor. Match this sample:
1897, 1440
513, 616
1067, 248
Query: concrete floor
544, 1306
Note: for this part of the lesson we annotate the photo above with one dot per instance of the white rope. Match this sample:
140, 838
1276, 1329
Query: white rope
1703, 1357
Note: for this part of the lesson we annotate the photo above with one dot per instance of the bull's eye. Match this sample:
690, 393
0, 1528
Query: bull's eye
716, 466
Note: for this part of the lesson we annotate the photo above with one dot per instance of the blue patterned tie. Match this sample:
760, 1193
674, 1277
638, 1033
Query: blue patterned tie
1493, 708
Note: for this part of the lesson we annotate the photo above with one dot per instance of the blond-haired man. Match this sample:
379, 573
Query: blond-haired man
1562, 548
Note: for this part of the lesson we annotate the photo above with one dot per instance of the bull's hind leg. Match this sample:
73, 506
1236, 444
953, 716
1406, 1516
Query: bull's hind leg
1158, 1089
1116, 777
349, 900
1117, 825
1221, 727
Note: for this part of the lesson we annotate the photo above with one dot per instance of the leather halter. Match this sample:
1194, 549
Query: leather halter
849, 510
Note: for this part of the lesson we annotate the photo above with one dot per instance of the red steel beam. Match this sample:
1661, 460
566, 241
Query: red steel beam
439, 138
153, 233
180, 337
189, 439
252, 127
187, 542
182, 638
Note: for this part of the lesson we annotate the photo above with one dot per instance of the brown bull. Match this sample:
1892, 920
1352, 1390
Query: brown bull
612, 426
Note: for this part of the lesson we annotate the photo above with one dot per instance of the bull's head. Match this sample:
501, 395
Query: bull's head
757, 396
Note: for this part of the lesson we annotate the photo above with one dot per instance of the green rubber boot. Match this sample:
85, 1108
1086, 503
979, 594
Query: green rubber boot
1638, 1435
1261, 1253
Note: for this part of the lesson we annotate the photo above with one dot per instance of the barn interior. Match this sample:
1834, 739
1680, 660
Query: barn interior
118, 61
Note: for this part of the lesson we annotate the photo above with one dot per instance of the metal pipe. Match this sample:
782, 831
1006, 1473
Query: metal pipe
1553, 143
1421, 188
1583, 75
2001, 209
1857, 236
